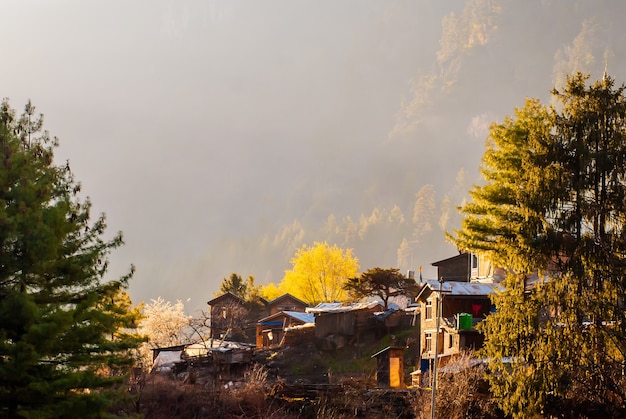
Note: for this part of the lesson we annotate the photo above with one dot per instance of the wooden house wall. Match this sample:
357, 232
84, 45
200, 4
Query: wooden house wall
486, 269
455, 269
233, 356
335, 323
462, 339
396, 319
263, 336
459, 268
277, 328
476, 306
220, 322
347, 323
286, 303
390, 368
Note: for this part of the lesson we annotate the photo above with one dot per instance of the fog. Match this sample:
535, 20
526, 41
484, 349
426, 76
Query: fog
220, 136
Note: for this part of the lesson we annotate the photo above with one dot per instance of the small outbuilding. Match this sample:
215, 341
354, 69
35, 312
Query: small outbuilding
166, 359
348, 320
271, 329
390, 367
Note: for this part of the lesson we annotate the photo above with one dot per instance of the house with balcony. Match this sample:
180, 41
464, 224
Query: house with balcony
461, 297
462, 305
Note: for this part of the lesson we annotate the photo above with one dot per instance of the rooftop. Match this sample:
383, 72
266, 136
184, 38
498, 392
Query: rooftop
460, 288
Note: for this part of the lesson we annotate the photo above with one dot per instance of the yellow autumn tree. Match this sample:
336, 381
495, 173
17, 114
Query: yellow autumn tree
271, 291
319, 273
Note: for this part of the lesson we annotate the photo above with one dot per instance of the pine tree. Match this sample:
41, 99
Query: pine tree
382, 283
235, 284
553, 206
64, 330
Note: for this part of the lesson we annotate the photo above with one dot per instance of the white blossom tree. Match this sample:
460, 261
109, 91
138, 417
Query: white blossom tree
165, 324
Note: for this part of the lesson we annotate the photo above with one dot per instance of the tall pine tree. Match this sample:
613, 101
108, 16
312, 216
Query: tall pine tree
64, 340
554, 207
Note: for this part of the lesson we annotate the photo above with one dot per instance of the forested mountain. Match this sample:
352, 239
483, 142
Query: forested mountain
392, 198
221, 136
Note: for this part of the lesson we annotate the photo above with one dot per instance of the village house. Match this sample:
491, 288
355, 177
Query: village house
228, 314
468, 267
390, 367
338, 324
285, 302
271, 329
462, 292
233, 318
463, 305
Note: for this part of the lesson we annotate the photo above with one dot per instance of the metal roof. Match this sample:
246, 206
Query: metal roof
303, 317
462, 288
287, 296
341, 307
224, 296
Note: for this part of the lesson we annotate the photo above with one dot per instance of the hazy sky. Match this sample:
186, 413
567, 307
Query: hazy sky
194, 123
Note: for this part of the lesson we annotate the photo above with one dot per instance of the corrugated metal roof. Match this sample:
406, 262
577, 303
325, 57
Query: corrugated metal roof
303, 317
323, 307
463, 288
341, 307
286, 296
298, 315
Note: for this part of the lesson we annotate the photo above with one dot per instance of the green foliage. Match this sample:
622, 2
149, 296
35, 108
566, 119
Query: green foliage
253, 291
235, 285
552, 209
505, 215
64, 340
383, 283
246, 290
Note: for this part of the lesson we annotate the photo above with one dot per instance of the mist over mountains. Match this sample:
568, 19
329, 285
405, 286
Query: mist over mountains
220, 136
391, 196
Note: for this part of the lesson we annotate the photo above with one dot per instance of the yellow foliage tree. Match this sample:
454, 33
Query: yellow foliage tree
319, 273
271, 291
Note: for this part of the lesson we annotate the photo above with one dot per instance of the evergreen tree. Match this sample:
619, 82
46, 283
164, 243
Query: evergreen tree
553, 208
235, 285
64, 337
246, 290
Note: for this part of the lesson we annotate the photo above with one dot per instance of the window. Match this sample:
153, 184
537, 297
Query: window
450, 340
474, 265
428, 342
429, 309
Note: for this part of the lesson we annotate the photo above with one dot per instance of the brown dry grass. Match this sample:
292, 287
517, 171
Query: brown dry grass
163, 397
462, 392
